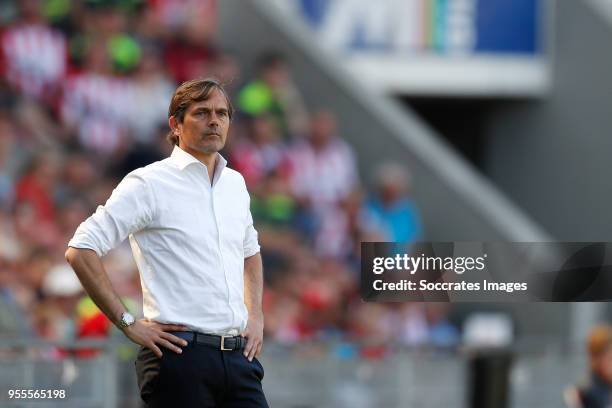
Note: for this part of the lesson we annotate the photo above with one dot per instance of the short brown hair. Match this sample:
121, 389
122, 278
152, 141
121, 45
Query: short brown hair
195, 90
599, 340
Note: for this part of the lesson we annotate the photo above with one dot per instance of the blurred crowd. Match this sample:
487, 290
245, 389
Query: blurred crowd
84, 94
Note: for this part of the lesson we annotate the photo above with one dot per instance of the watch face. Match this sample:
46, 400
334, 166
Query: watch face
127, 319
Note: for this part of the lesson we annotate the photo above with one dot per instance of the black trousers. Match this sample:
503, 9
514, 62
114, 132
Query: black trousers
201, 376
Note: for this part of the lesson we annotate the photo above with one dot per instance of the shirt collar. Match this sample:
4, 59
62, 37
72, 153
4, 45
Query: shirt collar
184, 159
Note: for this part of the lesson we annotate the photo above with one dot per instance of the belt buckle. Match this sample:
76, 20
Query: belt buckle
223, 344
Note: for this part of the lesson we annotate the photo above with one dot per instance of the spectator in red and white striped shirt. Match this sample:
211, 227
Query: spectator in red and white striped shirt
34, 55
323, 175
323, 165
97, 104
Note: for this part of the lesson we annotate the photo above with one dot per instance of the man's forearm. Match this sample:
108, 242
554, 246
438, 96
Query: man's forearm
88, 267
253, 284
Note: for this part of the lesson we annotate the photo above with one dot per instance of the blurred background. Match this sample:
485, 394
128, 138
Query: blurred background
388, 120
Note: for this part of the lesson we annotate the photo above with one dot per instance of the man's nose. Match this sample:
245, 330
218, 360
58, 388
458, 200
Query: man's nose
213, 119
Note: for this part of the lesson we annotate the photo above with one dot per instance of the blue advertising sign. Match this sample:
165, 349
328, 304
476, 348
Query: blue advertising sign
441, 26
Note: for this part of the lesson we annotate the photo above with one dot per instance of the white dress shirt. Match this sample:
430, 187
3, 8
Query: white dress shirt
189, 240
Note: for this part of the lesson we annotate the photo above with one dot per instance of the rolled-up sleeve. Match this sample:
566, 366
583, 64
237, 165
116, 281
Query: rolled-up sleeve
251, 245
130, 208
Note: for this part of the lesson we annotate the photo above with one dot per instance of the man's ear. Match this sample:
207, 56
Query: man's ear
174, 125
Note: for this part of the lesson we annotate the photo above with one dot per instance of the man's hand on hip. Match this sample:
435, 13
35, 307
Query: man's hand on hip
150, 334
254, 335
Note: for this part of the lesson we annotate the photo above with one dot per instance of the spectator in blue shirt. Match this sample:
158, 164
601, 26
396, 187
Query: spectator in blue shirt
391, 210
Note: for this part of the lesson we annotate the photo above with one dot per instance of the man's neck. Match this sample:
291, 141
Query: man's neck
208, 159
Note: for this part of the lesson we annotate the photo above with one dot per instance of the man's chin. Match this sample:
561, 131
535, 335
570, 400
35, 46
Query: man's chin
209, 148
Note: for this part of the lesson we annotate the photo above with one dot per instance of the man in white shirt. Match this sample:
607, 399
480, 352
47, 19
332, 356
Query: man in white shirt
191, 232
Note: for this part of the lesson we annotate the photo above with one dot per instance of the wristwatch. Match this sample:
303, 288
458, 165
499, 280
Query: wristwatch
126, 320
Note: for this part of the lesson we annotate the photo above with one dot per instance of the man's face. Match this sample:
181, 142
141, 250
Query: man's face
322, 128
205, 125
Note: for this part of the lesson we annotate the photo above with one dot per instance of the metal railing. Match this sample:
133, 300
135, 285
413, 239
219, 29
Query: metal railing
305, 375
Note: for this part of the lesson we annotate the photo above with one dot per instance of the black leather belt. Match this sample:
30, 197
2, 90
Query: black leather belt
224, 343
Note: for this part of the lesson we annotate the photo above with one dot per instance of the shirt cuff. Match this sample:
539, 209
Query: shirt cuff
251, 251
84, 245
